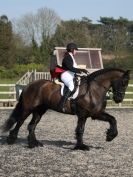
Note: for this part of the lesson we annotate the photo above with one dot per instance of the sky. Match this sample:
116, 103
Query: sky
70, 9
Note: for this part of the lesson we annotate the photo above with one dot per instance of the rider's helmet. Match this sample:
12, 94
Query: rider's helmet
71, 47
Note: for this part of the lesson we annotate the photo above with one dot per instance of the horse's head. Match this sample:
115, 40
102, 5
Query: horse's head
119, 87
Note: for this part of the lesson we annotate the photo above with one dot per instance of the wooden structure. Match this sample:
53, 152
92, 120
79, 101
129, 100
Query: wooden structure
31, 76
87, 58
7, 96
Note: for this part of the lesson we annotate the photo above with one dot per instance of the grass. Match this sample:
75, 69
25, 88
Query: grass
8, 81
7, 89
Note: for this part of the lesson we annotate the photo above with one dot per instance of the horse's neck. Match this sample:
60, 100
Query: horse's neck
106, 78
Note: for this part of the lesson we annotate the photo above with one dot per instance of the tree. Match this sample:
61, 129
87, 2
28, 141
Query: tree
72, 31
6, 42
35, 51
114, 35
130, 35
45, 50
30, 26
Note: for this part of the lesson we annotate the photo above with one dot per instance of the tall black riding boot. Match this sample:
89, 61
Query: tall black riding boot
64, 99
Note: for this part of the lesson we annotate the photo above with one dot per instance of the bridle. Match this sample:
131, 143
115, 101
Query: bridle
110, 90
114, 92
117, 92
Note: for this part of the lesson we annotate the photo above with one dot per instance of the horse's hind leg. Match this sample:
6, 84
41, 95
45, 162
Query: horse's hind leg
32, 141
14, 132
112, 132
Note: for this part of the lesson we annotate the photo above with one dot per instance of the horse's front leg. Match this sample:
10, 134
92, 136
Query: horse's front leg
112, 132
79, 134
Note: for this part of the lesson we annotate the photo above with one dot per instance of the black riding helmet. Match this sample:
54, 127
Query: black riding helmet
71, 46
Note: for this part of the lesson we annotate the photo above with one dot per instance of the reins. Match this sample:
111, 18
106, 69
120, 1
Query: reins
92, 77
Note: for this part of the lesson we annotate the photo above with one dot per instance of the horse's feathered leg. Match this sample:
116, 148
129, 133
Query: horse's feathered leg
14, 133
32, 141
112, 132
79, 134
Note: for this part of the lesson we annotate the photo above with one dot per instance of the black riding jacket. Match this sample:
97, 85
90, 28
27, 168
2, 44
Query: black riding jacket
67, 64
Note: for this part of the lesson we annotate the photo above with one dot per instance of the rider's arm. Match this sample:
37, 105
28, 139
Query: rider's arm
67, 64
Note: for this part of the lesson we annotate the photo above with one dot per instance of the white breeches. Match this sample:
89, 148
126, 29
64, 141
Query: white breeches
67, 78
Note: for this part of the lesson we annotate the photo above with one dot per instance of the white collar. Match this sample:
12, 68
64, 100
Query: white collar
74, 62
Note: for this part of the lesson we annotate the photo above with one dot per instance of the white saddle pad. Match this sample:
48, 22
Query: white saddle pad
62, 88
72, 96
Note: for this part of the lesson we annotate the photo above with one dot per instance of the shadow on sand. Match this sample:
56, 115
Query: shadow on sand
57, 143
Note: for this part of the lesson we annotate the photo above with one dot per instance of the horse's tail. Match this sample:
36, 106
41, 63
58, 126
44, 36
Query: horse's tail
16, 113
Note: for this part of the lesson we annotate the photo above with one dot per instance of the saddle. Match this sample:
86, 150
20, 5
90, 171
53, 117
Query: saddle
64, 88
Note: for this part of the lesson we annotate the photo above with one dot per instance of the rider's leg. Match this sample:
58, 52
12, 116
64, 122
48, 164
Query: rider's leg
70, 86
69, 83
64, 99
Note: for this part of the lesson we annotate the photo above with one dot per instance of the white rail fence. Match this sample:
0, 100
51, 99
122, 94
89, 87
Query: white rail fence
31, 76
10, 92
127, 102
7, 96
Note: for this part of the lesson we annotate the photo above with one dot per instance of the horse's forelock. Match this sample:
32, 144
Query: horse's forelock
127, 74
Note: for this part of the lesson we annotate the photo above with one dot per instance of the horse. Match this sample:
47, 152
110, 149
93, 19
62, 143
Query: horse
40, 95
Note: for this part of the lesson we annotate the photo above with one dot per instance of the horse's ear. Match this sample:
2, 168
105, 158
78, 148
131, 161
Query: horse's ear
127, 74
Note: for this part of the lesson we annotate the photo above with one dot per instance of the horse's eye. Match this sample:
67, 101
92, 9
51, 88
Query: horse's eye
124, 83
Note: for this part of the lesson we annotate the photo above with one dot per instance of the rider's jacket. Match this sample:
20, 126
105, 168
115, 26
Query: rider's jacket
69, 63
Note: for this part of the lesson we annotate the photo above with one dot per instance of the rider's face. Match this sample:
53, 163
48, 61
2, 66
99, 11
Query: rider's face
74, 52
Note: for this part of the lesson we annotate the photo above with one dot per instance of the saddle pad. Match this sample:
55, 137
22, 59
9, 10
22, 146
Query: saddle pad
75, 94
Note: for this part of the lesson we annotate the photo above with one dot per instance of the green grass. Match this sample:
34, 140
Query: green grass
131, 82
8, 81
6, 89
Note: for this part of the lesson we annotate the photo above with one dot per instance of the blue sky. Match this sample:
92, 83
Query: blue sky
70, 9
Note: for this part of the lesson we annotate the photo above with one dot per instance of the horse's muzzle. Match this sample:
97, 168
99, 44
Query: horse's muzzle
118, 98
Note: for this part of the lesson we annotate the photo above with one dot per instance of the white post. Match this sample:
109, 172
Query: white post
35, 74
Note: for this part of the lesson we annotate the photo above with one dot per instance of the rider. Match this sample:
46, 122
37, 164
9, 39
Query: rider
70, 66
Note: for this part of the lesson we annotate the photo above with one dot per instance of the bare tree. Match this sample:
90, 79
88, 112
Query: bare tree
30, 26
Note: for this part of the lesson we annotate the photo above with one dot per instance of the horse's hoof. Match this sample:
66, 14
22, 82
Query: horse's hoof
35, 144
82, 147
111, 135
10, 140
39, 144
109, 138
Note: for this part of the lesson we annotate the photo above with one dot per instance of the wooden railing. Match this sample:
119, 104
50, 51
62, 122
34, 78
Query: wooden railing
7, 96
10, 92
41, 75
127, 102
33, 75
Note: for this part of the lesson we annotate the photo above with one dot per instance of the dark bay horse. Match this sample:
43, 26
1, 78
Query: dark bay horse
41, 95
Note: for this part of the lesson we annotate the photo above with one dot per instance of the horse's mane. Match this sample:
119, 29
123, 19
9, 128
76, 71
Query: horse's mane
93, 75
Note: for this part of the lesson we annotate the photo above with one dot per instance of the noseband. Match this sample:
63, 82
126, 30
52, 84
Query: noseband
117, 92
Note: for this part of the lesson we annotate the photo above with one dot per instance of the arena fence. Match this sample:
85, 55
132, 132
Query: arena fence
7, 96
9, 93
127, 102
